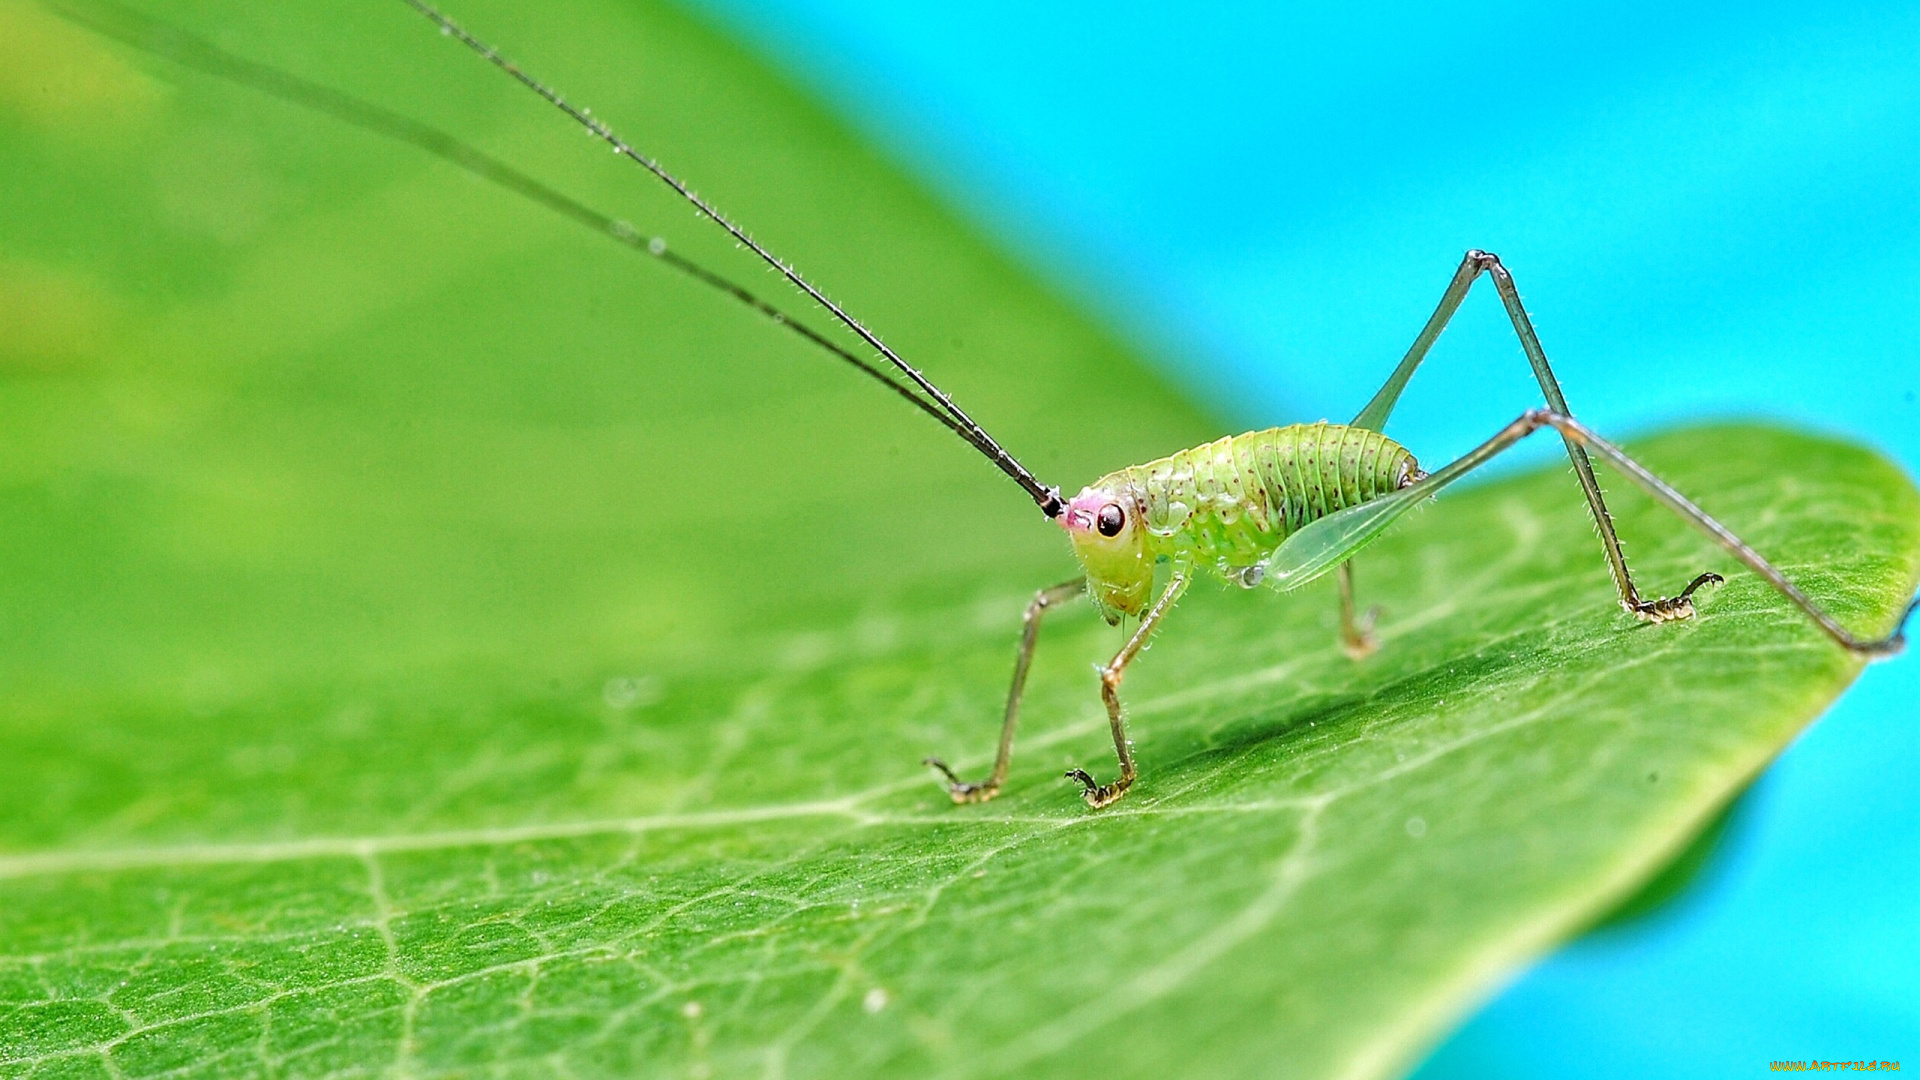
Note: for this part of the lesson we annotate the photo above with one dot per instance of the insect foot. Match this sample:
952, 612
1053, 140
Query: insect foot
1893, 644
1675, 608
1358, 641
959, 790
1099, 795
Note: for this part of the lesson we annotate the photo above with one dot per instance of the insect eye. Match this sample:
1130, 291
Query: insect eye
1112, 520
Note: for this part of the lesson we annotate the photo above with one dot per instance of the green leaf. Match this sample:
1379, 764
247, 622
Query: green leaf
439, 643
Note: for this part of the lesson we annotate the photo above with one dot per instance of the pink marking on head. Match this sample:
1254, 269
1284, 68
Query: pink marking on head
1084, 509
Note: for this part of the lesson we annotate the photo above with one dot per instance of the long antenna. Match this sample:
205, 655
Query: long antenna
157, 38
1047, 498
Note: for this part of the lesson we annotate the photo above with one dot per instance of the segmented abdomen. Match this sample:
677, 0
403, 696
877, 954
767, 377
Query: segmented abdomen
1232, 501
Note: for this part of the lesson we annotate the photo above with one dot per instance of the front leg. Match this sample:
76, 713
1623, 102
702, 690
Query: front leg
1097, 794
962, 791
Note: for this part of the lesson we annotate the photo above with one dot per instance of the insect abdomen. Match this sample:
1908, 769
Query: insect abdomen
1232, 501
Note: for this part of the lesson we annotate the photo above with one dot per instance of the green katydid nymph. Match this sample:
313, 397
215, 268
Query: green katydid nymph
1278, 507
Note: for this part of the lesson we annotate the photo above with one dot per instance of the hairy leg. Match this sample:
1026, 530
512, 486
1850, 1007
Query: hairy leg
964, 792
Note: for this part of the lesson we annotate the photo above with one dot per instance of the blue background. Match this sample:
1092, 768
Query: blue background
1712, 211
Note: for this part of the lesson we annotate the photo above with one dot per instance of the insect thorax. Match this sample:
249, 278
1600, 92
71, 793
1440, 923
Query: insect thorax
1227, 504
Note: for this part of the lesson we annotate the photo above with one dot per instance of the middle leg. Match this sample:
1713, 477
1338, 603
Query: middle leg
1356, 633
